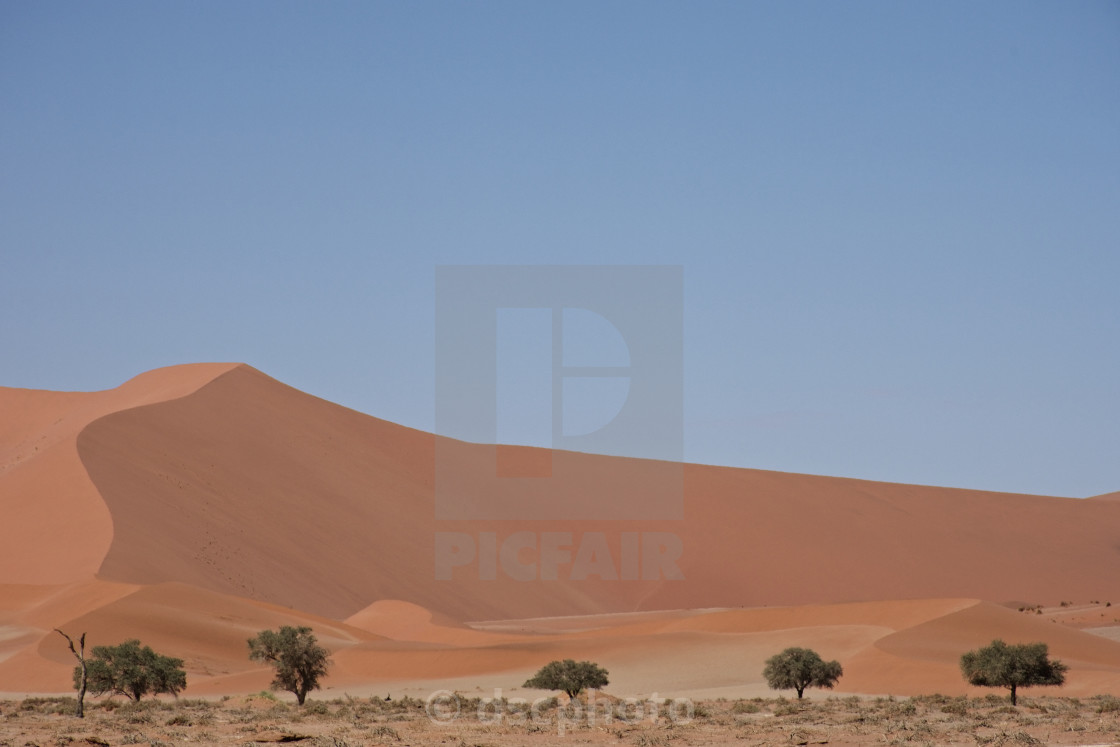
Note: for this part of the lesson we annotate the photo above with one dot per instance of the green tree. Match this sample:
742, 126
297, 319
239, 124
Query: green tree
299, 661
1012, 666
131, 671
569, 676
799, 668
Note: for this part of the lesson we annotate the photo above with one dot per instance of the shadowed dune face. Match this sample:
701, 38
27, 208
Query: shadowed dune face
56, 527
252, 488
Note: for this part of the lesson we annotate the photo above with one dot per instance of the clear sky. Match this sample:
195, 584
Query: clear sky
899, 223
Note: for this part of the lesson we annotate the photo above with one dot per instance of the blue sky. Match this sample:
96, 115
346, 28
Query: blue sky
899, 223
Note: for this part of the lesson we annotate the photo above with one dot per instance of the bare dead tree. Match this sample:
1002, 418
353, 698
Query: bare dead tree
80, 655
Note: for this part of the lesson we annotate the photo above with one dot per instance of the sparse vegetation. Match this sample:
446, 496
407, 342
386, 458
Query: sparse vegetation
247, 719
297, 657
799, 668
1012, 666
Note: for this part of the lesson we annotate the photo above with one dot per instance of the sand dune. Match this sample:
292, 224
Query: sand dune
195, 505
235, 482
207, 630
57, 527
901, 648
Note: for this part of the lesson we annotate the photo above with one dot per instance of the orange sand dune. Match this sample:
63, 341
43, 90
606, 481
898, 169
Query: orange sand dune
902, 648
404, 621
56, 526
925, 657
227, 487
207, 630
195, 505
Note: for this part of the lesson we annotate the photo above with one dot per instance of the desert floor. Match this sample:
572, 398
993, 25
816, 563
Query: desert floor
821, 719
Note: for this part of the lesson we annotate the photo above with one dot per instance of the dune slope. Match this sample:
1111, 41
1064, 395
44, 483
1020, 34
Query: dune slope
250, 487
56, 526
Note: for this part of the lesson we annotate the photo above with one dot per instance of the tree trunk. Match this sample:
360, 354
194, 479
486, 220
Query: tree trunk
81, 710
1013, 700
800, 692
80, 655
301, 695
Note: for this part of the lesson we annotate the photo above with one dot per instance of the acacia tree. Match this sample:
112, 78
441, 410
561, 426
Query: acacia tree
131, 671
1012, 666
298, 659
569, 676
80, 671
799, 668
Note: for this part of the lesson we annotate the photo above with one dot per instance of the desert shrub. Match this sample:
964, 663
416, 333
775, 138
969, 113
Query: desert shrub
787, 708
548, 704
957, 707
48, 705
744, 706
385, 732
195, 704
411, 703
1108, 704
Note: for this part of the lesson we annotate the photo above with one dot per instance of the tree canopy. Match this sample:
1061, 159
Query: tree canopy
131, 670
799, 668
1012, 666
570, 676
298, 659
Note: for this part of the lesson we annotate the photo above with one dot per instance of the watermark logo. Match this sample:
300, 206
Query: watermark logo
446, 707
549, 556
569, 359
579, 362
